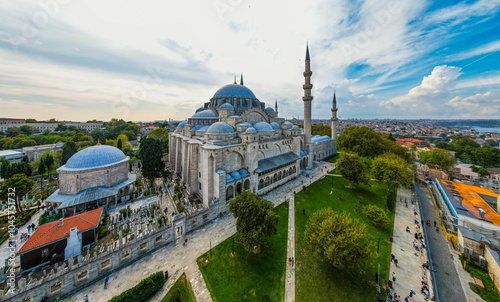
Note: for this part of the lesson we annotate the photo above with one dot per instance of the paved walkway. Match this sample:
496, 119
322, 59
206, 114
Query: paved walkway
409, 271
443, 266
290, 269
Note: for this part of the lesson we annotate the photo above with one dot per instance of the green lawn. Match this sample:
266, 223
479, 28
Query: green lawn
249, 276
489, 293
317, 280
181, 291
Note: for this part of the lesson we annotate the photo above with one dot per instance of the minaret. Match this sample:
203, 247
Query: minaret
276, 107
334, 117
307, 98
241, 79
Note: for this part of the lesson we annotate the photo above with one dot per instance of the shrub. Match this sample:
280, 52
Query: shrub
391, 198
142, 291
376, 214
180, 207
103, 227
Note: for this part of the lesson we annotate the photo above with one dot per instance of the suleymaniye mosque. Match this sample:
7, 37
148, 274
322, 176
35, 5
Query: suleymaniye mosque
234, 143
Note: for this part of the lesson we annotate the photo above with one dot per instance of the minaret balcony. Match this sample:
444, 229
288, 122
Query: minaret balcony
307, 86
308, 73
307, 98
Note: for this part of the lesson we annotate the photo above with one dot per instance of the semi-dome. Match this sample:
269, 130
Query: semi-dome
269, 110
200, 109
275, 126
226, 106
94, 157
286, 125
208, 113
234, 91
250, 130
263, 126
181, 125
220, 128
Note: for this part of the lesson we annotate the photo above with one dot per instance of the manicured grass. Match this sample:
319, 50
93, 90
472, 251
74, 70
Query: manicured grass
180, 291
316, 279
249, 276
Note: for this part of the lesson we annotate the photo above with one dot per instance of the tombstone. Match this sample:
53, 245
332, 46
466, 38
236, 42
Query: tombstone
56, 265
44, 273
71, 261
21, 283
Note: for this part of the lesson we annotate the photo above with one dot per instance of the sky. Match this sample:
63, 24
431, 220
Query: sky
160, 59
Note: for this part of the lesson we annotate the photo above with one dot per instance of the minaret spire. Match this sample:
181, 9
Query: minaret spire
307, 98
234, 80
334, 117
241, 79
276, 107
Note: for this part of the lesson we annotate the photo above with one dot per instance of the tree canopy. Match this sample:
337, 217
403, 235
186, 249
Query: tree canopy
438, 159
352, 167
363, 141
68, 150
392, 169
255, 218
338, 238
151, 154
20, 183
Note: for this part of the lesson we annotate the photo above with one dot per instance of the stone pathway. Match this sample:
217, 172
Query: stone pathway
409, 271
290, 269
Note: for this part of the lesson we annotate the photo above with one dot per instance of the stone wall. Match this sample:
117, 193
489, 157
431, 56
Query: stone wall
145, 236
493, 266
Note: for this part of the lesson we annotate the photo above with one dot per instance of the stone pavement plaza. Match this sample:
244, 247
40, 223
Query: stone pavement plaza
177, 258
409, 271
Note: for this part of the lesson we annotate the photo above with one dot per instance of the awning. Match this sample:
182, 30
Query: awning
276, 161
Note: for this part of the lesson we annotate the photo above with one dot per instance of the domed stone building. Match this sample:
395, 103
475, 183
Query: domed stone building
234, 143
91, 178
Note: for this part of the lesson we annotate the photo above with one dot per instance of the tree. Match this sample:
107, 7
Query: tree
491, 143
391, 138
438, 159
61, 127
12, 132
164, 124
25, 129
30, 120
49, 162
486, 156
22, 186
340, 239
119, 144
483, 172
41, 167
161, 134
150, 152
68, 150
463, 147
376, 214
392, 169
362, 140
255, 218
352, 167
3, 168
98, 136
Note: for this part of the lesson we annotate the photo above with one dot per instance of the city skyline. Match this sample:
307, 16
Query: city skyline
386, 59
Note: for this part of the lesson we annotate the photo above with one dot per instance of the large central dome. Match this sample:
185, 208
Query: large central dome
234, 91
94, 157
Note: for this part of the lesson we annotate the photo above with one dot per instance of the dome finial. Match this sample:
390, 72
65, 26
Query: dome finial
234, 80
98, 142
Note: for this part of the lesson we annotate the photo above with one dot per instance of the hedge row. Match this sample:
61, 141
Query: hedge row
142, 291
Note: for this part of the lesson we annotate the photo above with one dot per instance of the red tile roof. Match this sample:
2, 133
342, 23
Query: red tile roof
50, 232
409, 140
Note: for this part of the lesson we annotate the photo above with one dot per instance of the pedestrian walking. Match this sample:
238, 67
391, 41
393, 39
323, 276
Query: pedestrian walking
106, 282
412, 293
434, 223
289, 261
293, 261
396, 261
86, 298
394, 277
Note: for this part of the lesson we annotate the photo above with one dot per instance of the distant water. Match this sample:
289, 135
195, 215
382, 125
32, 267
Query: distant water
487, 129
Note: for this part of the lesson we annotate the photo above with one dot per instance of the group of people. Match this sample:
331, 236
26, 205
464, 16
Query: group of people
291, 261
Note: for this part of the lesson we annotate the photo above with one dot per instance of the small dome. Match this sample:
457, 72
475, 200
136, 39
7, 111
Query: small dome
275, 126
181, 125
295, 128
226, 106
94, 157
208, 113
234, 91
286, 125
235, 175
199, 109
250, 130
263, 126
220, 128
269, 110
243, 124
229, 178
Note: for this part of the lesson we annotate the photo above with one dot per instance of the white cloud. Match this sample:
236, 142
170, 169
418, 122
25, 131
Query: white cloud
481, 50
429, 93
482, 105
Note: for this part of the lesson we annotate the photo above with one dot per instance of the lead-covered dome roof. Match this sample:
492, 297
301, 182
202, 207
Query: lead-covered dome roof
220, 128
98, 156
226, 106
263, 126
208, 113
234, 91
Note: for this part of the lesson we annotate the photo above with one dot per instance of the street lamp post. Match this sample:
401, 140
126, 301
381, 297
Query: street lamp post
378, 245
